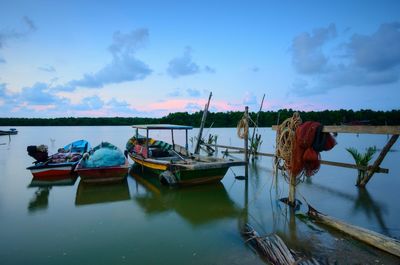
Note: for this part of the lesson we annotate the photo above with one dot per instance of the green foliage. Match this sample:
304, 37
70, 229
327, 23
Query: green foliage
362, 159
220, 119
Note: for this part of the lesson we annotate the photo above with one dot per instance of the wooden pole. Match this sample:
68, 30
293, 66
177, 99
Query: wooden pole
370, 237
292, 190
203, 121
256, 125
246, 142
379, 160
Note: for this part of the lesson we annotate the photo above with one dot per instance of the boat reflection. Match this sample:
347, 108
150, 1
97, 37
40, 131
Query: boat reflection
198, 205
93, 193
40, 200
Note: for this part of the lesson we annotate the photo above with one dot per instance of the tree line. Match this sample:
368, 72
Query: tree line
221, 119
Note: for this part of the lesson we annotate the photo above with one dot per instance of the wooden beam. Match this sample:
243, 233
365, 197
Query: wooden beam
370, 237
379, 160
361, 129
323, 162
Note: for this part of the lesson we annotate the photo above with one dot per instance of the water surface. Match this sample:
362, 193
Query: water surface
140, 222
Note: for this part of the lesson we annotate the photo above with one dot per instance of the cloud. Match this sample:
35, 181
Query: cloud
193, 107
193, 92
121, 69
176, 93
47, 68
209, 69
128, 43
124, 66
255, 69
38, 94
367, 60
13, 34
249, 99
307, 55
89, 103
379, 51
189, 92
184, 65
31, 25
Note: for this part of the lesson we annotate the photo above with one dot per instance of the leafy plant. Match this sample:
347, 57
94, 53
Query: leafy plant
362, 160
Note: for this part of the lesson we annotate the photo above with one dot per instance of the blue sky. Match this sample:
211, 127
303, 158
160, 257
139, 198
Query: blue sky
149, 58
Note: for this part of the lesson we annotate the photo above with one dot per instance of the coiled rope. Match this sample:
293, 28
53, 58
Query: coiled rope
243, 127
285, 138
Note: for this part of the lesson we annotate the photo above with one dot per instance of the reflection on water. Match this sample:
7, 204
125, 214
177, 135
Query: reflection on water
92, 193
194, 225
197, 204
59, 180
40, 201
362, 202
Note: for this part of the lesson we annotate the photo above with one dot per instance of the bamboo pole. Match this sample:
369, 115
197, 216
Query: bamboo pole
246, 143
203, 121
256, 125
323, 162
367, 129
292, 190
379, 160
372, 238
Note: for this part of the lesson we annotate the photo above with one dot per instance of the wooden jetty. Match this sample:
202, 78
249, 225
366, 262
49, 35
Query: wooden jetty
357, 129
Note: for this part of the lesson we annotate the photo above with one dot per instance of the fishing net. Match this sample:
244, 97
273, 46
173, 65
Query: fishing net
105, 155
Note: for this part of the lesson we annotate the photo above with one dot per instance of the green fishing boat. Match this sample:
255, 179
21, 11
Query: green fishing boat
172, 163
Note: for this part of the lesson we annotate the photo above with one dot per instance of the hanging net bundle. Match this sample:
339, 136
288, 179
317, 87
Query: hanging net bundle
299, 144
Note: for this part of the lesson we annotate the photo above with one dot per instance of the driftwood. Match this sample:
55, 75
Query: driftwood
273, 249
372, 238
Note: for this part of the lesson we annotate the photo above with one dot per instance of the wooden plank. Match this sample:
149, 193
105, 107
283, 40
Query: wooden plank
372, 238
361, 129
347, 165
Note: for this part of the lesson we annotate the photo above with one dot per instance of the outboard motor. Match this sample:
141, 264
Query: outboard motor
38, 152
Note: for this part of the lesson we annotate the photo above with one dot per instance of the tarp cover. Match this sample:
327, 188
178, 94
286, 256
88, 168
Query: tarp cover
104, 155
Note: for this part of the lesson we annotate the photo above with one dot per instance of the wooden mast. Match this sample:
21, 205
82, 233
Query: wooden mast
203, 121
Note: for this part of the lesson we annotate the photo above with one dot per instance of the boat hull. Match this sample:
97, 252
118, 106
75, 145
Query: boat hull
103, 174
52, 171
183, 176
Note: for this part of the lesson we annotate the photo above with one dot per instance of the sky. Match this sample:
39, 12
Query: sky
150, 58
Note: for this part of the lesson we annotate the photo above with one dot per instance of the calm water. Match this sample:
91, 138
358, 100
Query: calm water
139, 222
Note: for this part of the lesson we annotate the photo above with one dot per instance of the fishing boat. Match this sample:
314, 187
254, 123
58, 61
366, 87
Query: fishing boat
11, 131
104, 163
59, 164
173, 163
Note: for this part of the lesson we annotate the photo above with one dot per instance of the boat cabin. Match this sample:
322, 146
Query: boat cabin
159, 149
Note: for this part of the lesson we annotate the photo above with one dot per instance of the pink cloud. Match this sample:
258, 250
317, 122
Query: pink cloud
174, 105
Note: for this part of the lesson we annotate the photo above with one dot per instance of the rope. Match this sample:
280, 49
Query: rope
243, 127
285, 138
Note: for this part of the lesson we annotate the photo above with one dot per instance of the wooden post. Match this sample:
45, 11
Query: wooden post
203, 121
147, 143
246, 143
292, 190
173, 140
254, 129
379, 160
187, 142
